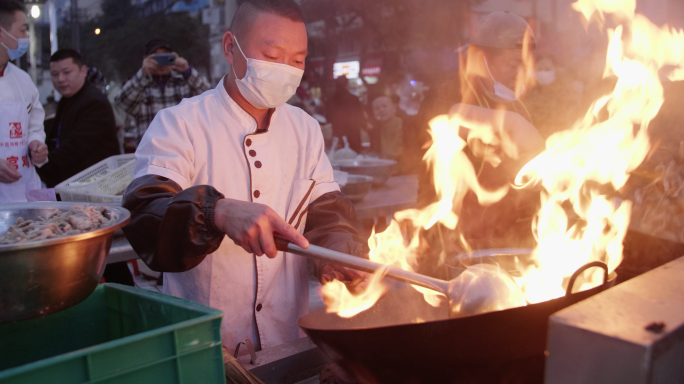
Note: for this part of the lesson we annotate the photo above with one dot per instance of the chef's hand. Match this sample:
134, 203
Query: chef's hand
149, 65
181, 64
39, 152
8, 174
252, 226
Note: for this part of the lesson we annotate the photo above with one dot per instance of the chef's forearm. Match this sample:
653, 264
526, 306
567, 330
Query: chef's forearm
171, 229
331, 223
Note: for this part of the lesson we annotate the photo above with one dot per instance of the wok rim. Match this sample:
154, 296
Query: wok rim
350, 163
365, 179
612, 278
123, 218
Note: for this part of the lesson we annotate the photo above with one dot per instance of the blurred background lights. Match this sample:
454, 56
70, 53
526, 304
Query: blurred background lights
35, 11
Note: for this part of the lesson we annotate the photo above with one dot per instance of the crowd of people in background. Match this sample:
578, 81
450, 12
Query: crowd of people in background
83, 129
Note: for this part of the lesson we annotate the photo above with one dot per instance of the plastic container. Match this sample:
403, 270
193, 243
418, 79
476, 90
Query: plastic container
113, 176
119, 334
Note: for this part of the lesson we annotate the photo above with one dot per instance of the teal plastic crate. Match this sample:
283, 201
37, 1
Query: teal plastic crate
119, 334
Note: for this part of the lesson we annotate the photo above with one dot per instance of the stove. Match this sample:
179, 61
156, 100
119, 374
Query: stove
630, 334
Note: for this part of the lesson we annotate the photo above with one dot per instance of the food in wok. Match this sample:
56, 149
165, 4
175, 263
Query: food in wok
78, 219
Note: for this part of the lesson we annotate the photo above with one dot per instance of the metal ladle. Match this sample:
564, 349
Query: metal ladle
450, 288
339, 258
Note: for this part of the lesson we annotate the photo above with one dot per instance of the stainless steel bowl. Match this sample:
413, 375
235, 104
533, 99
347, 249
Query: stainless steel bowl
43, 277
357, 187
379, 169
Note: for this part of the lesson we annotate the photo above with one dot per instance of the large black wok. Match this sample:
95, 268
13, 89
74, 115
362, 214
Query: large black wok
389, 344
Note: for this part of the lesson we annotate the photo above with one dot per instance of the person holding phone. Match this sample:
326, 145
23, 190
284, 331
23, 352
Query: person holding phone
164, 79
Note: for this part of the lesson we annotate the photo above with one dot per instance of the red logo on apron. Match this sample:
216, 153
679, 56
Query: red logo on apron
13, 160
15, 131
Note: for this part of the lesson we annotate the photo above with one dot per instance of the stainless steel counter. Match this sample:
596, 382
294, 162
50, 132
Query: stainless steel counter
121, 251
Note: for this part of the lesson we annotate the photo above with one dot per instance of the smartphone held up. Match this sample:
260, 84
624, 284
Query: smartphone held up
165, 59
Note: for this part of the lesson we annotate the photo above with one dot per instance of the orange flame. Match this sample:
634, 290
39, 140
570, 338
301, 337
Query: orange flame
454, 175
338, 299
577, 162
623, 9
526, 75
578, 222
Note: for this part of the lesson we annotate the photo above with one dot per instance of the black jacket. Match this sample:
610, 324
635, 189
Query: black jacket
87, 135
173, 229
345, 113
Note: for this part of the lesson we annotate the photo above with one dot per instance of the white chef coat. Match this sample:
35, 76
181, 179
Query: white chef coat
18, 91
16, 83
210, 140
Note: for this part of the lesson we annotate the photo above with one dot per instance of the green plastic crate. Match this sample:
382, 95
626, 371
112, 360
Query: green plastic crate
119, 334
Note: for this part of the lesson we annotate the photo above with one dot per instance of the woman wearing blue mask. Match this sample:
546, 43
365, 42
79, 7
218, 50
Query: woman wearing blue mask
22, 138
496, 123
485, 98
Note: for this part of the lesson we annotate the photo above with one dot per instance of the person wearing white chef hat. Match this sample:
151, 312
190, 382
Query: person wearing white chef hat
238, 162
22, 138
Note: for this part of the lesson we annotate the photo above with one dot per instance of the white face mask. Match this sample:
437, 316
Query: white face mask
267, 85
506, 94
545, 77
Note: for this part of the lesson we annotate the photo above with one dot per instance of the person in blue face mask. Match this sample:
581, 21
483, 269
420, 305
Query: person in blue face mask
22, 138
11, 19
486, 97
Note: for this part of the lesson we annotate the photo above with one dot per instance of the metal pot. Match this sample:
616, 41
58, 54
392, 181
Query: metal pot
402, 339
357, 187
379, 169
42, 277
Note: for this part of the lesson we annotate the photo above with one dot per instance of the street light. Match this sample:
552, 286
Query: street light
35, 11
97, 31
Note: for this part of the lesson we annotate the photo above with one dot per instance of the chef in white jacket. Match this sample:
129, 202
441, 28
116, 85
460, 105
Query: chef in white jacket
22, 138
238, 162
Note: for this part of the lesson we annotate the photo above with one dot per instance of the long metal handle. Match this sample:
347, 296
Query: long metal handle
581, 270
319, 253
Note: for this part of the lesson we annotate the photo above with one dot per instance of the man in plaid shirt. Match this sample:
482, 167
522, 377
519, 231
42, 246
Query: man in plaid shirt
155, 87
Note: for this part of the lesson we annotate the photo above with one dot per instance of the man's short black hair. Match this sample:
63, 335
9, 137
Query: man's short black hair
342, 82
155, 44
66, 53
7, 10
246, 12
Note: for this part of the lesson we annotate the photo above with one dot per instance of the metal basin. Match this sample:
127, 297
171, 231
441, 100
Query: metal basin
357, 187
379, 169
43, 277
